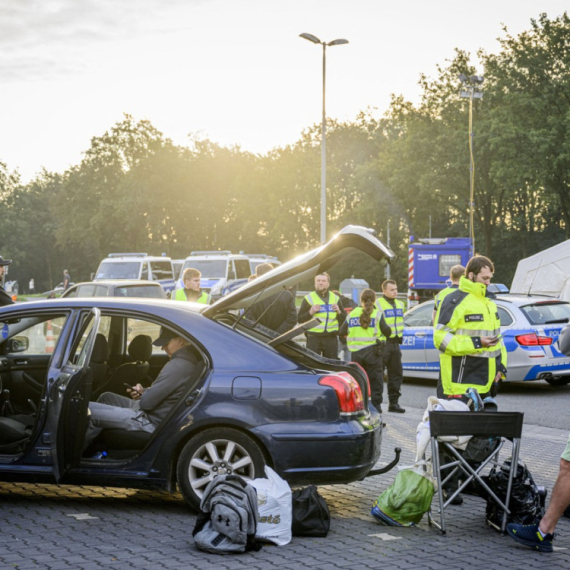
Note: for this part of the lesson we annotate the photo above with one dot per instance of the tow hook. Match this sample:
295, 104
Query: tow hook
391, 465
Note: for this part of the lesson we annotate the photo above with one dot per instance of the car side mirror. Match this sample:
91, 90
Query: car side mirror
17, 344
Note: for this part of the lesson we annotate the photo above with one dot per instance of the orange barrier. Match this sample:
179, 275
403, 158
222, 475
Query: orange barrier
50, 339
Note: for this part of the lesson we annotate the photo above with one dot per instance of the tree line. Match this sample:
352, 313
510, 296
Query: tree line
135, 190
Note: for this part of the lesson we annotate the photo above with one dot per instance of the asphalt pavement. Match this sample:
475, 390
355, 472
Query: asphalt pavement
62, 527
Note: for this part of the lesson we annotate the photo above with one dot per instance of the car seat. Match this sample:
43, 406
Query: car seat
131, 373
12, 435
98, 363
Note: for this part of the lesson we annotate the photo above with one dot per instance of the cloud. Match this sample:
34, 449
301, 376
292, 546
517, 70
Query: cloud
50, 39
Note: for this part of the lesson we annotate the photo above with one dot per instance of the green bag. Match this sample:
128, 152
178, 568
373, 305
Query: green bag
407, 499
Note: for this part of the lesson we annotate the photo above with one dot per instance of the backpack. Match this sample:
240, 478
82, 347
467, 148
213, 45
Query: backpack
228, 517
311, 516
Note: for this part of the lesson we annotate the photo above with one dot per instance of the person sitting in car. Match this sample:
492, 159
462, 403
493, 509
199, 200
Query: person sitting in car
147, 407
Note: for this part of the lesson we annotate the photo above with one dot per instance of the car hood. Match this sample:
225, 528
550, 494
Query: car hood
303, 267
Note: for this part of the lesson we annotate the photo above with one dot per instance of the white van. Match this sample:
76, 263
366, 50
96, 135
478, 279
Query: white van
256, 259
137, 266
222, 271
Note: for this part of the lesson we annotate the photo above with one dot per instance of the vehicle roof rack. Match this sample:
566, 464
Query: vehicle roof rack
128, 255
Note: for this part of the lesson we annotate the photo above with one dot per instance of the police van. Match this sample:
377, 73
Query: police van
256, 259
222, 271
138, 266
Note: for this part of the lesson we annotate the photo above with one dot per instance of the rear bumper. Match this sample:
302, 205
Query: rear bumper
319, 453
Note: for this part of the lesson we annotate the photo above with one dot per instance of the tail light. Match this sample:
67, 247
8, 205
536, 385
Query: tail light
532, 339
350, 400
365, 376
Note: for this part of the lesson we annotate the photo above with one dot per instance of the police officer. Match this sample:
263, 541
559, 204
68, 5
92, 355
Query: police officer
467, 334
324, 305
454, 275
393, 310
367, 330
5, 299
191, 290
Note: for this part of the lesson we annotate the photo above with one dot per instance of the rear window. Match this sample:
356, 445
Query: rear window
146, 291
547, 313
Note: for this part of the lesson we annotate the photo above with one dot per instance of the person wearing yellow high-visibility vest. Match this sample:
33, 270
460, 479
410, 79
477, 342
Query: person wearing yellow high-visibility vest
457, 271
393, 310
192, 291
326, 306
367, 330
467, 335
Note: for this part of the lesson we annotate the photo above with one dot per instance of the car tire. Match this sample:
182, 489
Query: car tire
214, 452
557, 382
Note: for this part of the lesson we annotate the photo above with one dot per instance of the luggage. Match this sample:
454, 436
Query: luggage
228, 518
311, 515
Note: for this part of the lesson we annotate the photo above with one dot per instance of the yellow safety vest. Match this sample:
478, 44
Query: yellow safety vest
439, 300
394, 316
204, 298
360, 337
327, 315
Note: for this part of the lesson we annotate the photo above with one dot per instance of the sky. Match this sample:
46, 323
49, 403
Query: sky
233, 71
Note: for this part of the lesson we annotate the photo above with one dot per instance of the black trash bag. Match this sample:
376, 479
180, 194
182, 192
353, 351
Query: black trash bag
527, 499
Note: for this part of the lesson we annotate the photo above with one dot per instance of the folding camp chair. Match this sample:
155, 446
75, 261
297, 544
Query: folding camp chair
485, 424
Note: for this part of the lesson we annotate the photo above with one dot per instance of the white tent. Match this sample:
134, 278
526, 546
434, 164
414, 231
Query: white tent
545, 273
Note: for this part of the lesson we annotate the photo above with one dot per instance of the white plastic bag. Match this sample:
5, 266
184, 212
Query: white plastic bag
274, 502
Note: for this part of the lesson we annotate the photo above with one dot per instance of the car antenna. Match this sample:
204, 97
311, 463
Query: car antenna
242, 316
533, 278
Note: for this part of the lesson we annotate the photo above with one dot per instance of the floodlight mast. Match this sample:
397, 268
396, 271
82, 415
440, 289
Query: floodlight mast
471, 90
338, 42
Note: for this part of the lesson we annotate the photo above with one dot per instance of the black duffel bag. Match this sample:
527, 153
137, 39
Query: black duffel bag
311, 516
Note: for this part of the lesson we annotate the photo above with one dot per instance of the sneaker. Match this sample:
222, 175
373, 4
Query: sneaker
529, 535
396, 408
457, 500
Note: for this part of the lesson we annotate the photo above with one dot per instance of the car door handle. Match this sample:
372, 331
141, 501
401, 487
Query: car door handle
20, 362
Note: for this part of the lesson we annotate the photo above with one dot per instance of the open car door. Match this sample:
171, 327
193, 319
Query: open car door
69, 398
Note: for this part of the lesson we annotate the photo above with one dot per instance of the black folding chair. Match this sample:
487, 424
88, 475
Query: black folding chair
485, 424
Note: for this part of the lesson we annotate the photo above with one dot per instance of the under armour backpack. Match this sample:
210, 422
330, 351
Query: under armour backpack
228, 517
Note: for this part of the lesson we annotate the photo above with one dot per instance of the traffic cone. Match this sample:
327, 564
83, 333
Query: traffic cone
50, 339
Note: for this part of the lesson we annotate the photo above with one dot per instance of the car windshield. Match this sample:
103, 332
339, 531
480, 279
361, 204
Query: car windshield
209, 268
147, 291
547, 313
119, 270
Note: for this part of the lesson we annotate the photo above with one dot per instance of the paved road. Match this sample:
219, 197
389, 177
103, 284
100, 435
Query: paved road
58, 527
542, 404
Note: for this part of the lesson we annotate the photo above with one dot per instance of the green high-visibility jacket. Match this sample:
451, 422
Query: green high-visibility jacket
327, 314
204, 298
439, 299
360, 337
394, 316
465, 316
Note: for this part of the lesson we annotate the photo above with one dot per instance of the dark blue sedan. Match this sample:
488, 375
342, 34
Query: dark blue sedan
254, 399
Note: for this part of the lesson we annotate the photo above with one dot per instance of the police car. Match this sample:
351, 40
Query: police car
530, 326
137, 266
222, 271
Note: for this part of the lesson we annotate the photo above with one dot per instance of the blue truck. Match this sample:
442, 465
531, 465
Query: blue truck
429, 263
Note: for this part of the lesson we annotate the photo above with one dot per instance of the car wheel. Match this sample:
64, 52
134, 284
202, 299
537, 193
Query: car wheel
213, 452
557, 382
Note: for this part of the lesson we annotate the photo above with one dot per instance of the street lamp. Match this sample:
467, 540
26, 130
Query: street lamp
316, 40
471, 90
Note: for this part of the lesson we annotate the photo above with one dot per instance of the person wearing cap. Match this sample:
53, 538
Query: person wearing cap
5, 299
147, 407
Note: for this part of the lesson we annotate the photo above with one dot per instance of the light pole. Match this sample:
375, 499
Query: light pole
316, 40
471, 90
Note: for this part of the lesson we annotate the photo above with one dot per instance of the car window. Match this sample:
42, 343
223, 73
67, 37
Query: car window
209, 268
146, 291
243, 268
87, 290
137, 326
104, 329
547, 313
42, 333
420, 316
119, 270
505, 317
71, 292
161, 270
101, 291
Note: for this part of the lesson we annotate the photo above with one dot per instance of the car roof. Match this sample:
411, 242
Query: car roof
522, 300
